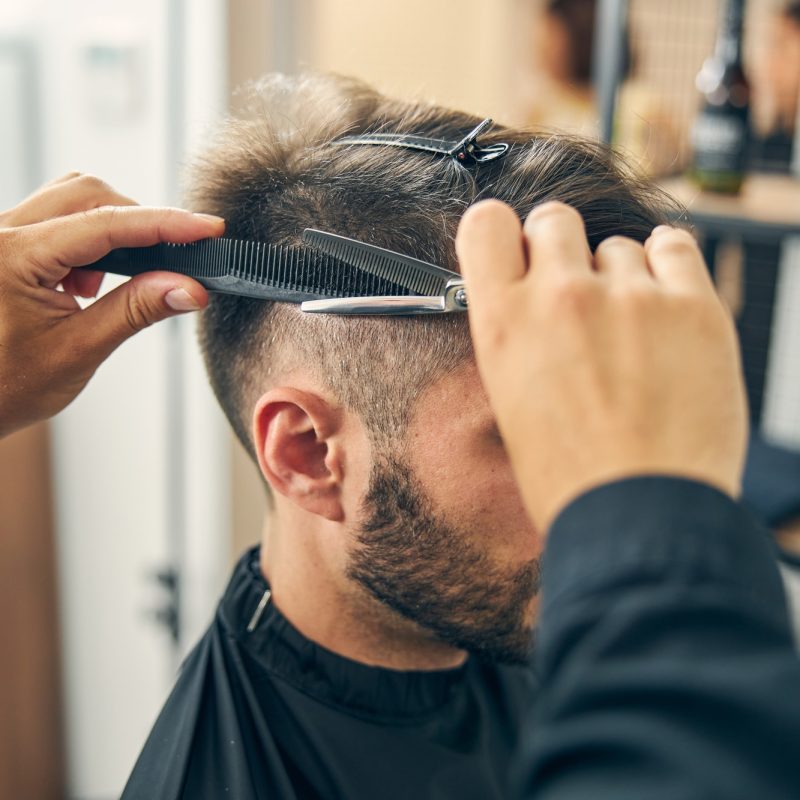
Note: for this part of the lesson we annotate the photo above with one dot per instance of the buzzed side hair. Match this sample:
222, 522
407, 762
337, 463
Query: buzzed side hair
276, 170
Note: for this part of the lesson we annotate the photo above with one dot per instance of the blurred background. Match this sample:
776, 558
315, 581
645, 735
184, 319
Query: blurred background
120, 520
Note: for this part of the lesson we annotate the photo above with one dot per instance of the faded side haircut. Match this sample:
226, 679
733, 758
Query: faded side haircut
276, 170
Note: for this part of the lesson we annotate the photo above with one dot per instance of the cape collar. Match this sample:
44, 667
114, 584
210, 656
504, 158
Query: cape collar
275, 645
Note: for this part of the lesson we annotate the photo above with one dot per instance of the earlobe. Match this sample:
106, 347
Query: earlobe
299, 451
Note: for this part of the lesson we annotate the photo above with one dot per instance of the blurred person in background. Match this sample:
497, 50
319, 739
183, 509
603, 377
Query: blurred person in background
772, 478
563, 94
563, 39
776, 89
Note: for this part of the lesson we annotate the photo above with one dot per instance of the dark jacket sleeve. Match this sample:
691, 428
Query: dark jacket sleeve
665, 653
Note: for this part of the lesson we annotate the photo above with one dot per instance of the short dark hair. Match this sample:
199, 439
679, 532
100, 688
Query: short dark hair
276, 170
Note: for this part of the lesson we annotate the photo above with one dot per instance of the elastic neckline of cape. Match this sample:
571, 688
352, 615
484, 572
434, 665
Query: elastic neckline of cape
276, 646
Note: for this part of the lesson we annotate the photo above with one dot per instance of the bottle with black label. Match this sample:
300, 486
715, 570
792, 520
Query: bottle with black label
721, 132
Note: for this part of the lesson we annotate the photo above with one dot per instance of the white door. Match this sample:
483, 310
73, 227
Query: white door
141, 488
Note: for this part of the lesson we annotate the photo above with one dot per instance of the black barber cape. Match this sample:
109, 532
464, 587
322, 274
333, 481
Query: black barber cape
267, 714
664, 656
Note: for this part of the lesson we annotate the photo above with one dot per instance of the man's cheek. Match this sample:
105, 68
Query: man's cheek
503, 512
495, 502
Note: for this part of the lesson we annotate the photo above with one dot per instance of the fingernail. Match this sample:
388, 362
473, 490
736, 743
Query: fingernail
210, 217
662, 229
180, 300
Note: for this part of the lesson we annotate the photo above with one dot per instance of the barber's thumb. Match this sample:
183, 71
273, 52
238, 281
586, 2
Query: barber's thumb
134, 306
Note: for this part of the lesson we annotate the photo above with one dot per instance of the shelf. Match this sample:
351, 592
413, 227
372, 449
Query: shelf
768, 207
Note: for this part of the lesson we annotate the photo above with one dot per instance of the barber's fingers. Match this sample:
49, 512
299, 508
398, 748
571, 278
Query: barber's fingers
7, 217
55, 246
489, 243
128, 309
676, 261
64, 178
83, 282
67, 195
491, 253
557, 241
622, 260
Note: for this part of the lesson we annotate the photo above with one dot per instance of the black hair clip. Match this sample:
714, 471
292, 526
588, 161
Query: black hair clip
467, 151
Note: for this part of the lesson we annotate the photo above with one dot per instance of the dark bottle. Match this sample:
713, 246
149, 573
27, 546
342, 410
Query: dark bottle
721, 132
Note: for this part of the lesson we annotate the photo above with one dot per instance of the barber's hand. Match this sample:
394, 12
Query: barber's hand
598, 368
49, 347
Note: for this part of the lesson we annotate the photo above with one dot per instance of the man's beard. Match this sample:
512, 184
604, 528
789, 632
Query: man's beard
429, 571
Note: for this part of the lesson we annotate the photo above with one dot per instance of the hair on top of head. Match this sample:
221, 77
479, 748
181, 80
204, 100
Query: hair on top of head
274, 170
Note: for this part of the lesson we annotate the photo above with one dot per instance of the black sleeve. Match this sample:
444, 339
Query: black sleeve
665, 653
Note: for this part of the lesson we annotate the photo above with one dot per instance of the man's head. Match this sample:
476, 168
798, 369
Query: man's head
378, 427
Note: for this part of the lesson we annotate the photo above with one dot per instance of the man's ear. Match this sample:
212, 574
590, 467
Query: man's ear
296, 434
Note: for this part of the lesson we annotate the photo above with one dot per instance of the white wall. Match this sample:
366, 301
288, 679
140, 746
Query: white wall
205, 455
139, 478
781, 421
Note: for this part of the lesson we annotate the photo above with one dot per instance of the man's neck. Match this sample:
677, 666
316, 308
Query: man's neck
311, 591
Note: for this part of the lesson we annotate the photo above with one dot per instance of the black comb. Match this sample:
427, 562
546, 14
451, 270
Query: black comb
270, 272
418, 277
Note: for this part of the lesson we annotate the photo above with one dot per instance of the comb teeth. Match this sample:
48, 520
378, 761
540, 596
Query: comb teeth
295, 270
388, 268
417, 276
